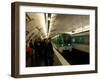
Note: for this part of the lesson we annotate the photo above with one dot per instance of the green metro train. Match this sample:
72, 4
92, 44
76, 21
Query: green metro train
64, 41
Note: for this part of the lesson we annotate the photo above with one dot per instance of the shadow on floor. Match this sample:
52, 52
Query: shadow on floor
76, 57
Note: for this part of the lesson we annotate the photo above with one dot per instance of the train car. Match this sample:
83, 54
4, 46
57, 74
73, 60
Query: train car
63, 41
81, 41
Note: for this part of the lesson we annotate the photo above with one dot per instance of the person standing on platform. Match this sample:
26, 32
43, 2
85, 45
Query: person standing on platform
37, 47
28, 57
49, 53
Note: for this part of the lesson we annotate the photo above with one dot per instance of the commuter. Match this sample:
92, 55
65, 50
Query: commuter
32, 53
49, 53
42, 51
37, 47
28, 57
46, 61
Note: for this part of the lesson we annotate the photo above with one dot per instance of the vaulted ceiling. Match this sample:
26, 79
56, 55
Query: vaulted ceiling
52, 24
63, 23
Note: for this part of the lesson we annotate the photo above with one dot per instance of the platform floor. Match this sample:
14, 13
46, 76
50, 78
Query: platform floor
75, 57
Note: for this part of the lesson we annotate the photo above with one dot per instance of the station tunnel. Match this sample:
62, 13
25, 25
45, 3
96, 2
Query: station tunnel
68, 35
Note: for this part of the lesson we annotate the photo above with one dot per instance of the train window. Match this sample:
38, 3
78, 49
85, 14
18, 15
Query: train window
84, 39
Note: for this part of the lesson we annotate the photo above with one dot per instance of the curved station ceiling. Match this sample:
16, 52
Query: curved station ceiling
46, 25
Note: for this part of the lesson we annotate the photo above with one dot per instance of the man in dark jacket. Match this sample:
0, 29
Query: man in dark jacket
37, 47
49, 53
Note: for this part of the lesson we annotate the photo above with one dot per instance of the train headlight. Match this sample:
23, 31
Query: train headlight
68, 44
